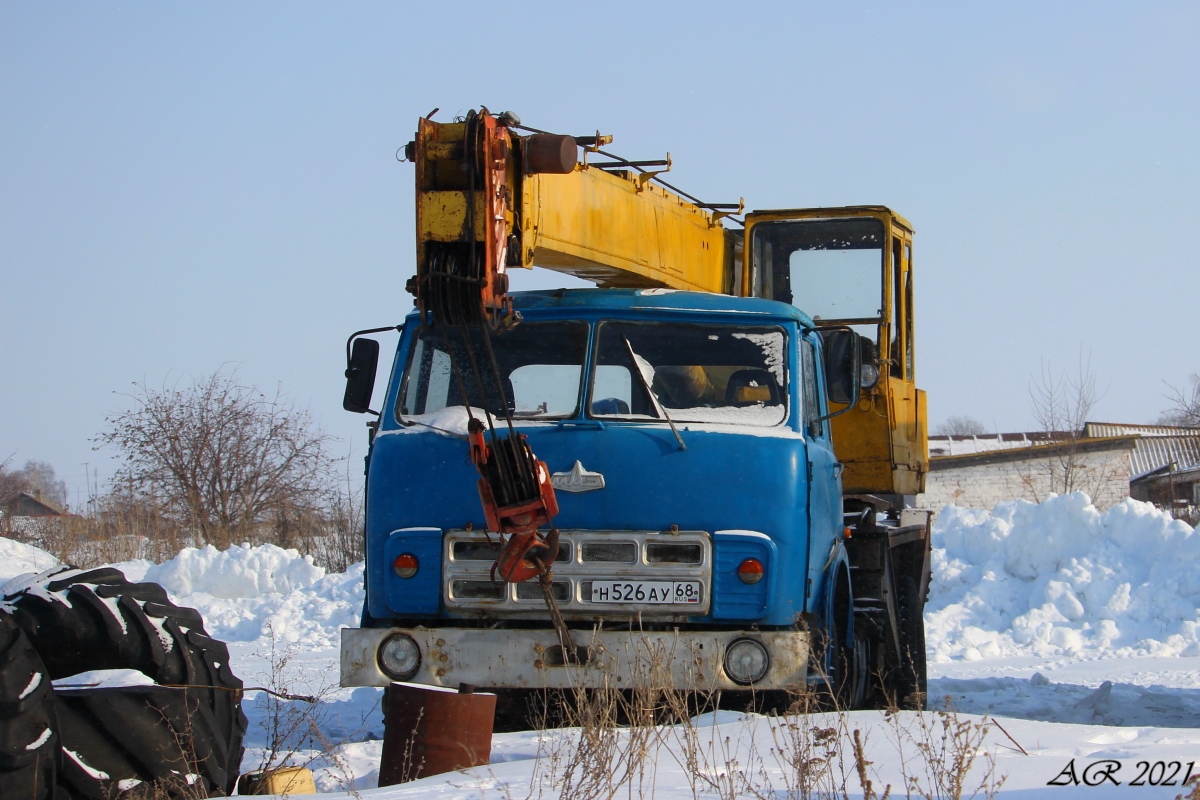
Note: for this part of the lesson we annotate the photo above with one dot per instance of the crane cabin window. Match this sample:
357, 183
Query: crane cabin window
831, 269
691, 373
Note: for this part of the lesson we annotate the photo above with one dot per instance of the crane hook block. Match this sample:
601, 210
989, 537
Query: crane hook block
514, 487
525, 556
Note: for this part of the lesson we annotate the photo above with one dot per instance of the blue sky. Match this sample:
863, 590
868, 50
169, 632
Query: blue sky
184, 188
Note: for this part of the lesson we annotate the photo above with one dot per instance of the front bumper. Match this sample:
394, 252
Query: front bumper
525, 659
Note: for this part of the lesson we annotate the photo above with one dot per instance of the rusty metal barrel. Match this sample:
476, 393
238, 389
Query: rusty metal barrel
430, 729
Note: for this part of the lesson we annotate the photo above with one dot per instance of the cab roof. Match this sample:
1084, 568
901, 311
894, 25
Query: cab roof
667, 299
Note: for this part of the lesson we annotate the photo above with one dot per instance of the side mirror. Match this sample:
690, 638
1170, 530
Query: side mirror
843, 366
360, 376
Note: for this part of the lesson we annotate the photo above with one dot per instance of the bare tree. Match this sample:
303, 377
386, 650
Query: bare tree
1185, 406
1061, 404
12, 482
42, 482
960, 425
222, 458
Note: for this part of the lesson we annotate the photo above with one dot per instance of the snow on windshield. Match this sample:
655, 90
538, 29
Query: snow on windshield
772, 350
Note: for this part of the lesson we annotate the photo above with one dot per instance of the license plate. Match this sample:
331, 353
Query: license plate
650, 592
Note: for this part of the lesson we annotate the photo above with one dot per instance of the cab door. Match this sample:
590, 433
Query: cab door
824, 469
852, 267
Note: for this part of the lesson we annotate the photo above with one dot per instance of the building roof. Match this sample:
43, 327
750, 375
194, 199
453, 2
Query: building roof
25, 504
988, 442
1044, 449
1158, 446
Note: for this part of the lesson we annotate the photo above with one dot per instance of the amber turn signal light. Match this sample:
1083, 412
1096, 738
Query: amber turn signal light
750, 570
405, 565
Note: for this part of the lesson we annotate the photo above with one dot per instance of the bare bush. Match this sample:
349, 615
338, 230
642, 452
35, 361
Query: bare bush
296, 726
214, 463
222, 458
947, 750
808, 751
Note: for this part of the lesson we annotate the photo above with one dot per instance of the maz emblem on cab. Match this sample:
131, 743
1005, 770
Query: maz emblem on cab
577, 480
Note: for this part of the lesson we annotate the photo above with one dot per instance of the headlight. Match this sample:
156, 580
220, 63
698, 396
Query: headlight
399, 656
869, 376
746, 661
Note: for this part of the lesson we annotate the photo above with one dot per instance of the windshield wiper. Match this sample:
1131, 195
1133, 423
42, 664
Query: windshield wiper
659, 408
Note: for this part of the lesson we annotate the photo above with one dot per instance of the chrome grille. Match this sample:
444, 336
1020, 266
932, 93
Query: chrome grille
476, 590
670, 553
584, 557
532, 590
609, 552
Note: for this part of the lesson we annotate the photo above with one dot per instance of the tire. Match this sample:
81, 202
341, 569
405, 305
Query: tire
158, 740
911, 683
80, 621
836, 663
29, 745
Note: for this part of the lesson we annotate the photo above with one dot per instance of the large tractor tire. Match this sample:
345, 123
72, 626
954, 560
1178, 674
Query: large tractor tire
158, 740
29, 746
79, 621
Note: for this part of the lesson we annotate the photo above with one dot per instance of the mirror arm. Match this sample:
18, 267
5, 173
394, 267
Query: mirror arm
356, 334
349, 365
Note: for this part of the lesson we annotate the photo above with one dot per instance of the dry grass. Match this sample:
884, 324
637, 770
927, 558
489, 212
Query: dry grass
119, 529
294, 724
621, 737
943, 752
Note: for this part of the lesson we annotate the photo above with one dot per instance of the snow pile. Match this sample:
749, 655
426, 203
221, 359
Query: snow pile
1062, 578
1058, 578
249, 593
19, 559
239, 572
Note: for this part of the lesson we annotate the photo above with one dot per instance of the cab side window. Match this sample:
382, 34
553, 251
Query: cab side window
812, 399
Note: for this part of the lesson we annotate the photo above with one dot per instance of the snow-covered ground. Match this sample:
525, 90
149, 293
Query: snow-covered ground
1077, 630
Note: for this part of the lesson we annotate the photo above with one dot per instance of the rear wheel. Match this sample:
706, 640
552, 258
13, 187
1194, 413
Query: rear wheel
911, 681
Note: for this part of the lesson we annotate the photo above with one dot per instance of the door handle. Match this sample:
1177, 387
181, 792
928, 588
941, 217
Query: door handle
838, 469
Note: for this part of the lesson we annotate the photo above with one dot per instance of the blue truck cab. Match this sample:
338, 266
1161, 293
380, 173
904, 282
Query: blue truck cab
700, 504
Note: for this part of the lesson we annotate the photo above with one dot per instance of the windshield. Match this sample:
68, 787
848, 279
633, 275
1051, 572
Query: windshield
697, 373
540, 366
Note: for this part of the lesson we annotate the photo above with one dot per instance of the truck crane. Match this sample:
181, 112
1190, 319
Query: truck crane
709, 461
